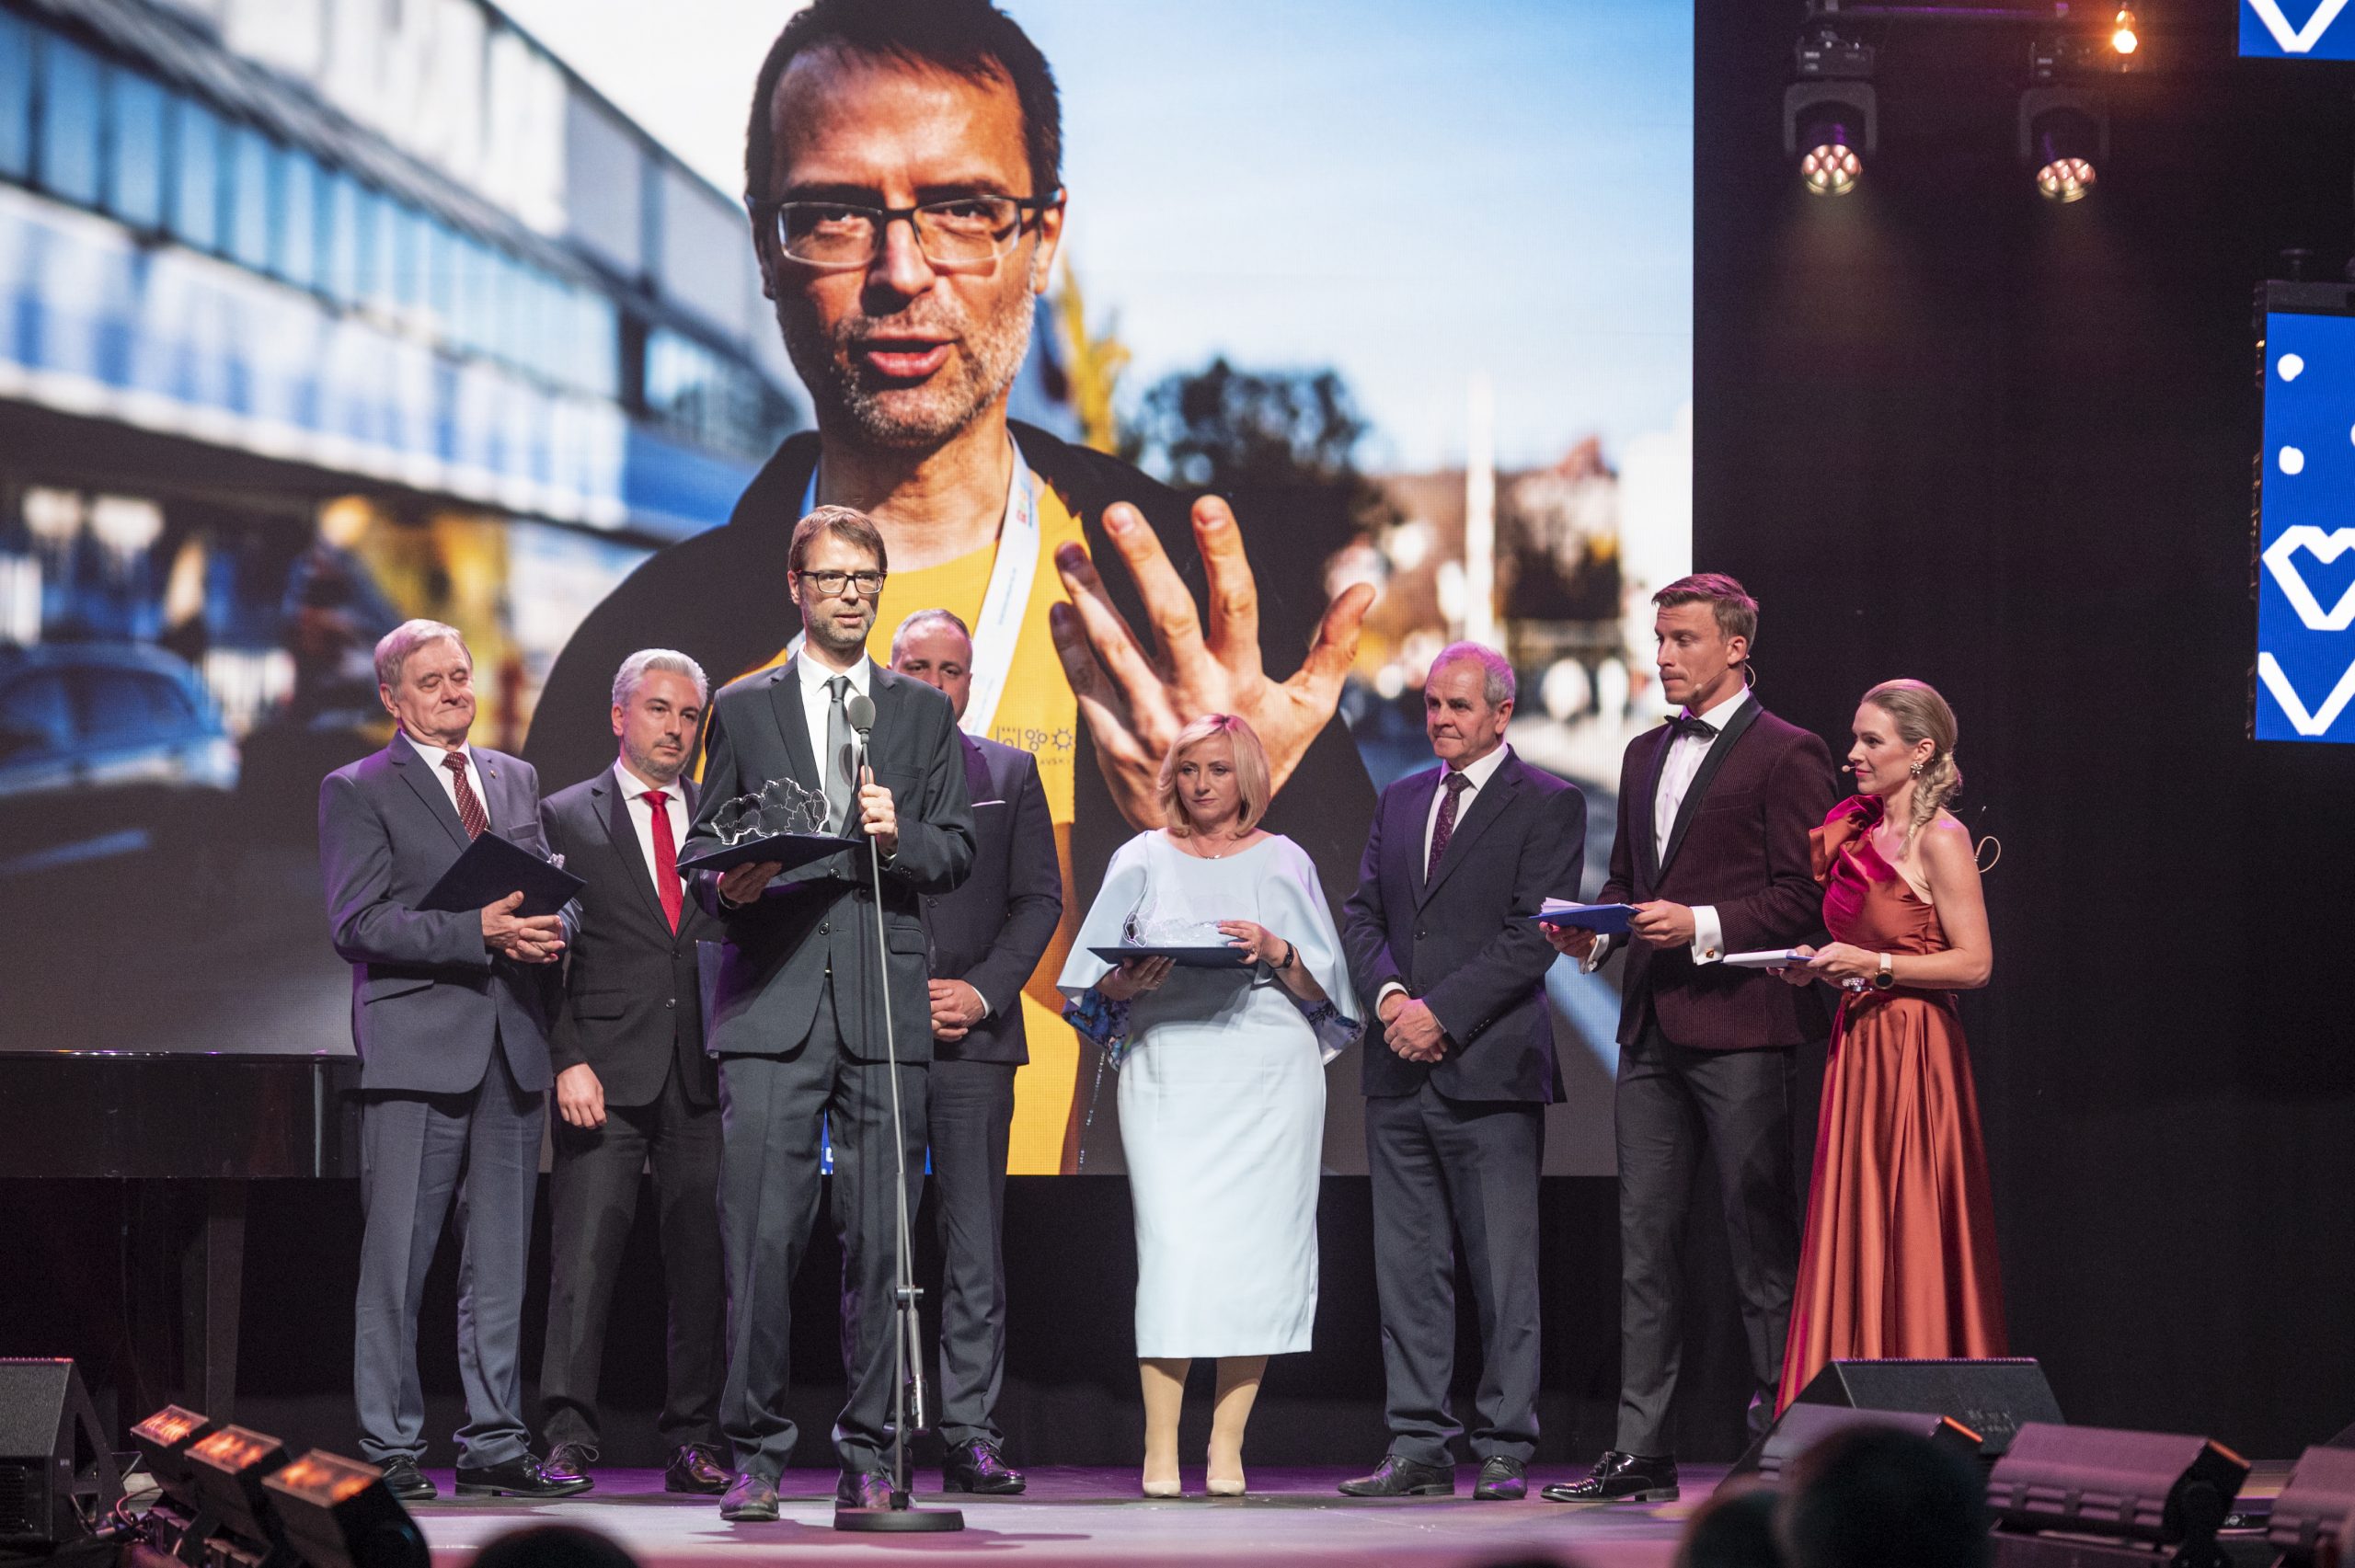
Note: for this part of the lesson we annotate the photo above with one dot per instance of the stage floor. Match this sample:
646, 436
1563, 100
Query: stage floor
1075, 1516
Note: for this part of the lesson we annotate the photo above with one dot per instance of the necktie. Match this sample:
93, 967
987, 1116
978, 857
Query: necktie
1444, 828
837, 760
666, 855
471, 816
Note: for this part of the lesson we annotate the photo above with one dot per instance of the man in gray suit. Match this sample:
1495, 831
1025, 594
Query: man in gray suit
1439, 936
450, 1017
987, 938
796, 1014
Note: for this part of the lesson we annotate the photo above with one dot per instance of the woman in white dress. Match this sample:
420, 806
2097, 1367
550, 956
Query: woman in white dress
1222, 1087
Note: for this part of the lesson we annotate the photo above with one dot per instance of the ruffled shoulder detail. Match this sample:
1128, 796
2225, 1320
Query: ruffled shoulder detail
1843, 825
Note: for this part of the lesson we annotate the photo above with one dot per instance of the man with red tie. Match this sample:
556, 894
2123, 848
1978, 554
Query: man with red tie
632, 1081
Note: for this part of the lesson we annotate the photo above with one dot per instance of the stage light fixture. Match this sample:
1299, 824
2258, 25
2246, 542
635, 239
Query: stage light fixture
1830, 117
2123, 36
2058, 1485
338, 1513
228, 1467
2065, 138
178, 1523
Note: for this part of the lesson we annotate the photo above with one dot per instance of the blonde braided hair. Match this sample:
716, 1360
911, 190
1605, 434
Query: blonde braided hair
1919, 714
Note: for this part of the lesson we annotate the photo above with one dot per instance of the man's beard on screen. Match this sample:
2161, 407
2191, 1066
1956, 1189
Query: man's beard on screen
989, 355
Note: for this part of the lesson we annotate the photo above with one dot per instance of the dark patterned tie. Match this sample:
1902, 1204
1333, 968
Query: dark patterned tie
666, 856
471, 815
1444, 829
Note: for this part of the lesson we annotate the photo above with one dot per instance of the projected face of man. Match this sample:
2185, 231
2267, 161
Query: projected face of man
938, 654
657, 726
898, 355
435, 699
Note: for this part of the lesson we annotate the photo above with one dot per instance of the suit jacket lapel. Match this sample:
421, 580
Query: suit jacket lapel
619, 827
419, 773
1488, 802
785, 697
977, 769
1736, 728
500, 820
1416, 805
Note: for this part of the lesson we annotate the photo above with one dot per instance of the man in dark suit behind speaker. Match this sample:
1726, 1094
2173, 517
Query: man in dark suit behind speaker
632, 1082
1440, 941
1712, 848
987, 938
797, 1015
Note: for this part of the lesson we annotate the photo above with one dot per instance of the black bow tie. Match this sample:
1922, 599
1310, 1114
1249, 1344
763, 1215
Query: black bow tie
1689, 724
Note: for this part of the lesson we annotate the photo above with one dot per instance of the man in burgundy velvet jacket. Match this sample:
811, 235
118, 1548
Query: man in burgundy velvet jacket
1712, 848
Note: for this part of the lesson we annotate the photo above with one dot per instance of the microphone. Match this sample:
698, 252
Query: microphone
860, 710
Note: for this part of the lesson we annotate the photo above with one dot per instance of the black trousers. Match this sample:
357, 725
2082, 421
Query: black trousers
1672, 1100
775, 1112
1443, 1172
971, 1111
592, 1200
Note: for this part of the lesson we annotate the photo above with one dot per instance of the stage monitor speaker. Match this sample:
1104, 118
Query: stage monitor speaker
1994, 1398
57, 1474
2159, 1488
2310, 1519
1804, 1425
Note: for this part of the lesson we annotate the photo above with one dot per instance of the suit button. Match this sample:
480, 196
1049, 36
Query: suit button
1420, 933
672, 1002
825, 928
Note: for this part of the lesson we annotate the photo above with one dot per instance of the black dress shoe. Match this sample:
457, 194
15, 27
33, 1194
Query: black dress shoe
694, 1469
750, 1499
522, 1476
1400, 1477
568, 1458
403, 1480
1503, 1479
1617, 1477
977, 1467
864, 1489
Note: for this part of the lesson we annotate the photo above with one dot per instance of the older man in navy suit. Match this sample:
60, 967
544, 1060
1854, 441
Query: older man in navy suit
1440, 936
450, 1015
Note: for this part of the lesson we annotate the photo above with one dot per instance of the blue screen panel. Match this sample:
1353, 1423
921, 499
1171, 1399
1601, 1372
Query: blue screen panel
2298, 29
2305, 596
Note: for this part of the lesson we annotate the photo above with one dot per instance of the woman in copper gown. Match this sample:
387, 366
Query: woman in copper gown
1900, 1255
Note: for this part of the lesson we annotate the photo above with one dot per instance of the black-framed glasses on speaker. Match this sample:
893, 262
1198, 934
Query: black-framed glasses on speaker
954, 234
830, 584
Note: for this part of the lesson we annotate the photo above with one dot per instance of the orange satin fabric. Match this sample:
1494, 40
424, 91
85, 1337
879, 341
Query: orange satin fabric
1899, 1256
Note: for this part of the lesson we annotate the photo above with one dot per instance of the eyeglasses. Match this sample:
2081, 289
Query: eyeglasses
829, 584
962, 233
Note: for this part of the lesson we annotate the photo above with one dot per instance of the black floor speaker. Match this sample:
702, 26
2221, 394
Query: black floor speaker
1991, 1397
57, 1475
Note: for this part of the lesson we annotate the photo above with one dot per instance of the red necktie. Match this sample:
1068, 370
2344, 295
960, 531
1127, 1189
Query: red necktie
1444, 828
471, 816
666, 856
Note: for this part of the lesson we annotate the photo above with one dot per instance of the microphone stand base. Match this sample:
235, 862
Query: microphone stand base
898, 1520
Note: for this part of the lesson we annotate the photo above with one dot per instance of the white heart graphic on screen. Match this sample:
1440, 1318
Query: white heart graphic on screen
2326, 547
2292, 366
2293, 461
2277, 681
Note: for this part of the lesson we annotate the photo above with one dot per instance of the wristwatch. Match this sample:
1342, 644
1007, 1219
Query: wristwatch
1291, 952
1888, 975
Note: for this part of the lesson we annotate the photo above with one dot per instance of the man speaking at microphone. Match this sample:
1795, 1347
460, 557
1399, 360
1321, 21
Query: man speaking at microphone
796, 1011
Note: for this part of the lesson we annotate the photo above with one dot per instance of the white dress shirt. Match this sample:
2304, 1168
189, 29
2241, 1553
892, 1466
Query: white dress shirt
1685, 755
817, 702
433, 755
641, 816
1476, 776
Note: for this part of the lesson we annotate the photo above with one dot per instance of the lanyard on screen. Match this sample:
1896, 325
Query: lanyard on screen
1004, 602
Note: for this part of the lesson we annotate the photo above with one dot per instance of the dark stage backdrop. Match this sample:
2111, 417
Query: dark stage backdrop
1946, 430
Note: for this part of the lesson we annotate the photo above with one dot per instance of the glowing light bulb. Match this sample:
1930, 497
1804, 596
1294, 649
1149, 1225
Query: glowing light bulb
2122, 36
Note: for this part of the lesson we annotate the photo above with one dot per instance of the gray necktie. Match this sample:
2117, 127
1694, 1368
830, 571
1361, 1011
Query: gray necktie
838, 757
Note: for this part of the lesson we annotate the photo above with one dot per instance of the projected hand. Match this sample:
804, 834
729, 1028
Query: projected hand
1136, 701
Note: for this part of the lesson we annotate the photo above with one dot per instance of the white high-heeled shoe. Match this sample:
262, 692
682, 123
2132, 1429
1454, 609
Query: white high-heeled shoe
1220, 1486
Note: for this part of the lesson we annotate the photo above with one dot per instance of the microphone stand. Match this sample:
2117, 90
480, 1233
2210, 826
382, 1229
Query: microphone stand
907, 1348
